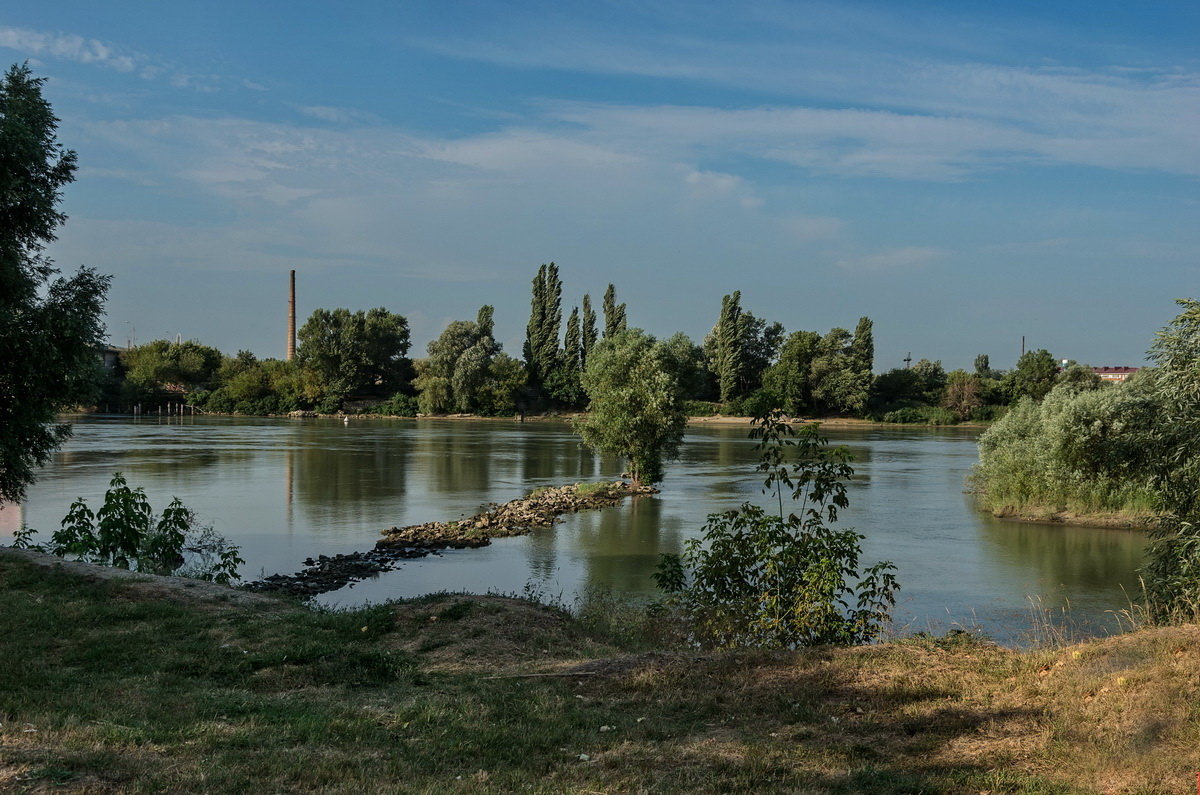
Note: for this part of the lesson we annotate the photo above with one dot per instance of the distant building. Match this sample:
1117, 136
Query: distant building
1114, 373
109, 355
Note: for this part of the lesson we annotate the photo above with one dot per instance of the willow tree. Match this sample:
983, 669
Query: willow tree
636, 411
1173, 556
49, 331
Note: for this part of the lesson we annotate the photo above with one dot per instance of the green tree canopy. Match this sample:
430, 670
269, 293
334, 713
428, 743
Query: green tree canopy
1034, 375
49, 331
636, 410
588, 333
542, 351
188, 364
459, 366
790, 378
839, 384
355, 352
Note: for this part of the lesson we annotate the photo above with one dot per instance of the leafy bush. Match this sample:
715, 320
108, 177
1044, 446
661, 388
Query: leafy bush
782, 581
988, 413
398, 405
921, 415
124, 533
701, 408
1084, 451
757, 404
329, 405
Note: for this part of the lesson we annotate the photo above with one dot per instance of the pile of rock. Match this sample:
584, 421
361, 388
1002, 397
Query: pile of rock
540, 508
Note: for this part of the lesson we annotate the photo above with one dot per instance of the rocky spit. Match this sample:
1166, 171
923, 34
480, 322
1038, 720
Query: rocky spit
540, 508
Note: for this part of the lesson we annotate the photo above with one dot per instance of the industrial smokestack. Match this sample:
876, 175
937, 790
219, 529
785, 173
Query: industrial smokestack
291, 341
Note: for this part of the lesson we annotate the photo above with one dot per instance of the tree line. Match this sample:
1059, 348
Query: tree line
360, 361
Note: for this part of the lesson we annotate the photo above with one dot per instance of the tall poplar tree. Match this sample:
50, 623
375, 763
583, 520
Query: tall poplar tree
573, 344
614, 313
545, 319
729, 355
862, 347
588, 332
565, 383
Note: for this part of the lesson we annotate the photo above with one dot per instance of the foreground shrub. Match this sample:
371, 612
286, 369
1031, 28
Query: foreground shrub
787, 580
124, 533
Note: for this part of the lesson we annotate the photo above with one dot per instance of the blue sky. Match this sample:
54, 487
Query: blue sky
964, 173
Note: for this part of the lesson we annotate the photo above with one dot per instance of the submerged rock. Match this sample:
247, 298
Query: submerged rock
540, 508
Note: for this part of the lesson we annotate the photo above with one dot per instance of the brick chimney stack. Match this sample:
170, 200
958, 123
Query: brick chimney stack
291, 341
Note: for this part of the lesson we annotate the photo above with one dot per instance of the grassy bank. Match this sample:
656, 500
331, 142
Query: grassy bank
141, 686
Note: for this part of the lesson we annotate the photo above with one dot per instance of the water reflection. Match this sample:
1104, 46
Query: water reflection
1070, 559
288, 489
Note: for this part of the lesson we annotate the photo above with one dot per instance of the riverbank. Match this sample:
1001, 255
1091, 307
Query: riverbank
137, 686
1046, 514
716, 420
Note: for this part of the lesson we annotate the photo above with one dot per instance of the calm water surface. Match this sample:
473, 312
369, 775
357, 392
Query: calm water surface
288, 489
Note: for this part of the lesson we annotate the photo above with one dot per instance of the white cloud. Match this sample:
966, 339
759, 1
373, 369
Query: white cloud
68, 46
73, 47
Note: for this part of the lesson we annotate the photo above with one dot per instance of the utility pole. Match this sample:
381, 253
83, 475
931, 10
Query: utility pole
908, 360
291, 330
1022, 344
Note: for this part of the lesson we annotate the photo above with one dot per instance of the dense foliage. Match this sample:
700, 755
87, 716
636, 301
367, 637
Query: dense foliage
786, 579
636, 408
49, 329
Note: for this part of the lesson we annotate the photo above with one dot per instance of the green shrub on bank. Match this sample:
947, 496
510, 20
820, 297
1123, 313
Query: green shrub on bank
124, 533
701, 408
1080, 450
757, 404
921, 415
398, 405
988, 413
785, 580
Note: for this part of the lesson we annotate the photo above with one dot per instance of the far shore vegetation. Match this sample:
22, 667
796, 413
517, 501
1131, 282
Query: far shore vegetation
358, 362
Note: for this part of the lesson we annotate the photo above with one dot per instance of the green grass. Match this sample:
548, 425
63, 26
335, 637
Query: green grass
109, 686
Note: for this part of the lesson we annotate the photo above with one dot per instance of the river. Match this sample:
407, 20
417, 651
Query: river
289, 489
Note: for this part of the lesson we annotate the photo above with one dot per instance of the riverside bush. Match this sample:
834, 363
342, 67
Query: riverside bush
124, 533
398, 405
921, 415
787, 580
701, 408
1081, 449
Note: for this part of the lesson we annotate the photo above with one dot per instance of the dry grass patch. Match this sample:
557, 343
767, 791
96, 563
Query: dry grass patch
131, 692
489, 634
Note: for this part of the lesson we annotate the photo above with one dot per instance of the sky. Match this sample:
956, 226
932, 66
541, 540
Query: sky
964, 173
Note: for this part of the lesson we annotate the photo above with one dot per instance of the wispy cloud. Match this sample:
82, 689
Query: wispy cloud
68, 46
73, 47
